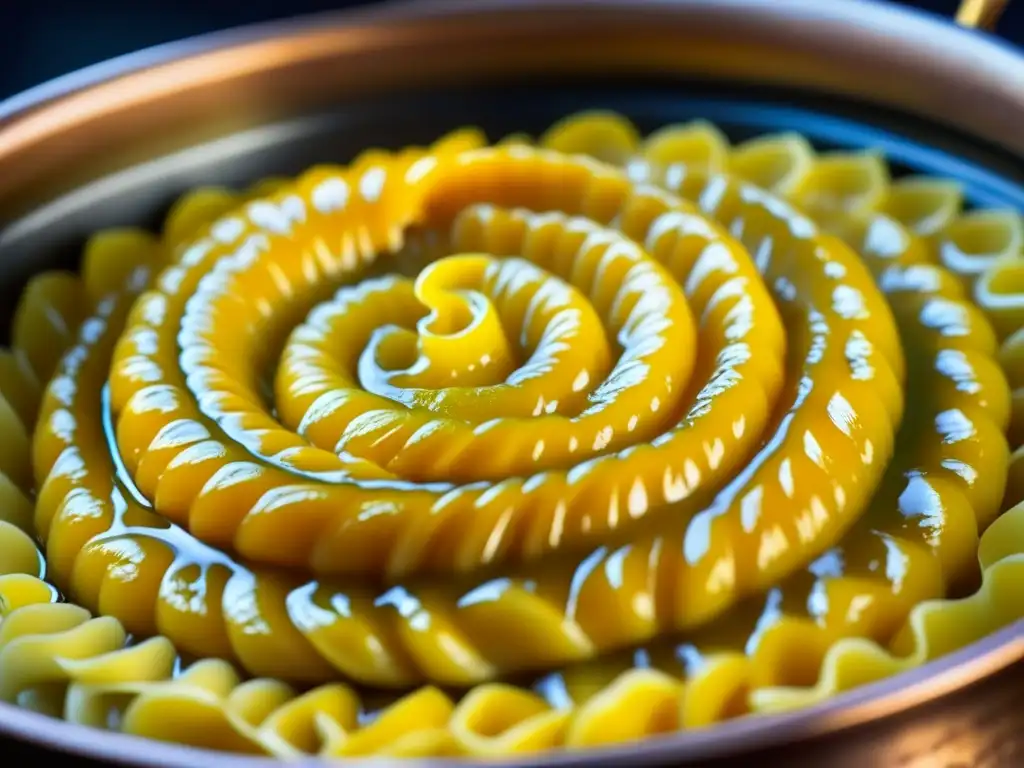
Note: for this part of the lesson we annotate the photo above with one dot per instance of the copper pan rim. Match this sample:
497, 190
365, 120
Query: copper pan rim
923, 65
936, 64
992, 57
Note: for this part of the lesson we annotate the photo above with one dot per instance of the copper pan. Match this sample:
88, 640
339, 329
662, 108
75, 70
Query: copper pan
115, 143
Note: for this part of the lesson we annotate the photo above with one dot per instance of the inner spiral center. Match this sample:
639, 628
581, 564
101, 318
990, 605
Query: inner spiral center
573, 324
459, 342
464, 363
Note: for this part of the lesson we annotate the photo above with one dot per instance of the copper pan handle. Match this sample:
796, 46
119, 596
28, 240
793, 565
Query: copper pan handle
980, 14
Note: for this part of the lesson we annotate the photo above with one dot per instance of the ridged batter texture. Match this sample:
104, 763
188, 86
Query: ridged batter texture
478, 450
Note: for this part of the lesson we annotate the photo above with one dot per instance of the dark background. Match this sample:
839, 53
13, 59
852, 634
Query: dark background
41, 39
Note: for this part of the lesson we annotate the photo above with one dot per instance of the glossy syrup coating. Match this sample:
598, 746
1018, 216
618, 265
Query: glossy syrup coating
414, 396
560, 486
830, 446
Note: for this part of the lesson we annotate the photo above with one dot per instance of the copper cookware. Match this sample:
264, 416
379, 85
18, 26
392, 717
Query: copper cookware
113, 145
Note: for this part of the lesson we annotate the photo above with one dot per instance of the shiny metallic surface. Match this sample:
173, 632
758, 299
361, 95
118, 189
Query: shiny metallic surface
100, 146
215, 85
983, 14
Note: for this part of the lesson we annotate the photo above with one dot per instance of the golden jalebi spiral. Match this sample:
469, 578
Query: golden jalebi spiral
555, 443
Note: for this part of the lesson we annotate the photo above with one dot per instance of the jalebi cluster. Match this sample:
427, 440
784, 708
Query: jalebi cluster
552, 443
